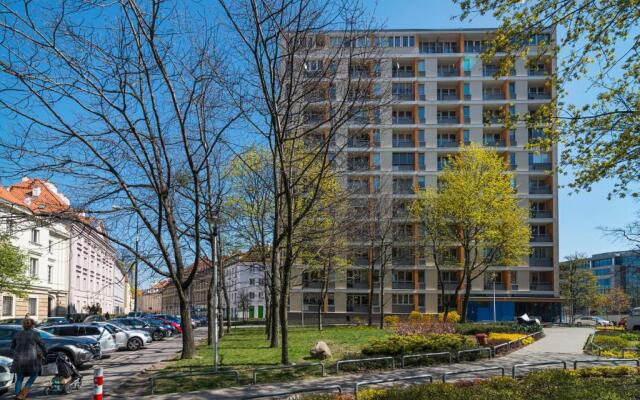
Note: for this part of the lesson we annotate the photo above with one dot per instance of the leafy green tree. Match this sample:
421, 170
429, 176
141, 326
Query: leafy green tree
600, 40
14, 278
578, 285
475, 214
616, 301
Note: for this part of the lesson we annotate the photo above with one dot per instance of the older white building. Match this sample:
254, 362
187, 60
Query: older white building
245, 285
45, 244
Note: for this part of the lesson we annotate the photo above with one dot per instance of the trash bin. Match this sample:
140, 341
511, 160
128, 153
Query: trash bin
482, 339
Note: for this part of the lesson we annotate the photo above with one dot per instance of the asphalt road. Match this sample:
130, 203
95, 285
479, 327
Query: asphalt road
117, 368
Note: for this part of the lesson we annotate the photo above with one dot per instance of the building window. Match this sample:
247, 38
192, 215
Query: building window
7, 306
33, 306
33, 267
50, 274
252, 281
35, 236
50, 246
252, 295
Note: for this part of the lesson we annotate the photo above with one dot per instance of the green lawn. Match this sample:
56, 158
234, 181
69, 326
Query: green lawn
245, 348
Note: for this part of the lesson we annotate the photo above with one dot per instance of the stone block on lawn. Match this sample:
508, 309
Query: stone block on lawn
320, 351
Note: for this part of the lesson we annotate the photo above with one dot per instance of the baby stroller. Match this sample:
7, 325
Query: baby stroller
66, 380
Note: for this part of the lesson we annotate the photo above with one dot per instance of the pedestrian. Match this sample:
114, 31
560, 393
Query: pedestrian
28, 354
107, 316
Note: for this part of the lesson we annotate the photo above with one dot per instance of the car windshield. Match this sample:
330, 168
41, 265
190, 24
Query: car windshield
43, 334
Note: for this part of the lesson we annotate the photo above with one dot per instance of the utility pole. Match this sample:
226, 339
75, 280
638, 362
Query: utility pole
135, 279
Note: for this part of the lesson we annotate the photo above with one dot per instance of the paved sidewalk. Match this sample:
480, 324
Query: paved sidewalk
559, 344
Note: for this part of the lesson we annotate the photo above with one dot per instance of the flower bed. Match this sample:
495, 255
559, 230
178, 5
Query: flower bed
470, 328
410, 344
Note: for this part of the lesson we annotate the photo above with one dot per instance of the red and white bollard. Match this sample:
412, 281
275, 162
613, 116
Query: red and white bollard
97, 384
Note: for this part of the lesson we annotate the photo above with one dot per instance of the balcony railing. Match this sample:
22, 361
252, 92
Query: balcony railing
357, 284
448, 97
513, 167
403, 167
541, 238
311, 307
447, 143
542, 287
539, 96
513, 142
538, 72
403, 143
499, 286
403, 74
493, 96
312, 284
541, 214
358, 166
402, 308
494, 142
489, 71
540, 166
448, 72
540, 189
360, 261
448, 120
403, 190
403, 120
359, 74
540, 262
402, 285
358, 143
448, 285
358, 308
404, 96
403, 261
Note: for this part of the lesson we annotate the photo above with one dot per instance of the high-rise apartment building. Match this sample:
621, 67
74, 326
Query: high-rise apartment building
443, 96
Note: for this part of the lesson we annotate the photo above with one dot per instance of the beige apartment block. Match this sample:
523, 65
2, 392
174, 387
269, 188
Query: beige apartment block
443, 96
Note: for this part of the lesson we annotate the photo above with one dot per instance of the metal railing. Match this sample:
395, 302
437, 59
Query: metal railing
425, 355
540, 364
292, 366
329, 388
611, 360
471, 371
478, 350
360, 360
154, 379
380, 381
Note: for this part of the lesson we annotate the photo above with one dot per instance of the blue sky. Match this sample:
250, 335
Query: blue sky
581, 214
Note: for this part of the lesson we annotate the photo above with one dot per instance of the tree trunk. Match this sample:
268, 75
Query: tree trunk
381, 305
210, 315
274, 300
267, 305
188, 347
284, 329
465, 299
220, 315
371, 290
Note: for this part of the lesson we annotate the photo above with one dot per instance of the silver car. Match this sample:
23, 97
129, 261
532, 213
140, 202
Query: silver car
6, 377
130, 339
107, 342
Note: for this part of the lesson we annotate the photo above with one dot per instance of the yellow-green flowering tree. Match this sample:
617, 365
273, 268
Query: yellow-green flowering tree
472, 221
598, 44
13, 269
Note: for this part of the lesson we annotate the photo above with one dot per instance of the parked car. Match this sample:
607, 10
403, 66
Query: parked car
54, 321
137, 314
6, 376
157, 333
175, 325
79, 350
94, 318
169, 330
591, 321
11, 321
633, 320
603, 322
101, 335
129, 339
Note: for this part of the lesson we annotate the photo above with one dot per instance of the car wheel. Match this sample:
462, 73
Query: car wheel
579, 323
134, 344
156, 335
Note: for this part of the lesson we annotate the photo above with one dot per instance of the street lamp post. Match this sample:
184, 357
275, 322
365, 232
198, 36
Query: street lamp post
494, 276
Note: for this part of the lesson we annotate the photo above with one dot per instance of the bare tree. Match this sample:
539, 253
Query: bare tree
105, 97
244, 302
299, 82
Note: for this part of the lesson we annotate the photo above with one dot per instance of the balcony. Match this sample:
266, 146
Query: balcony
448, 97
513, 142
358, 143
402, 285
359, 74
402, 143
540, 167
403, 120
312, 284
538, 72
351, 284
358, 166
448, 72
402, 308
402, 74
493, 96
541, 214
499, 286
448, 285
546, 189
358, 308
539, 96
448, 120
409, 96
541, 287
447, 143
403, 261
489, 71
494, 142
540, 262
541, 238
403, 167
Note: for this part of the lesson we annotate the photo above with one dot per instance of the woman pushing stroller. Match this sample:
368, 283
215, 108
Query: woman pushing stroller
28, 353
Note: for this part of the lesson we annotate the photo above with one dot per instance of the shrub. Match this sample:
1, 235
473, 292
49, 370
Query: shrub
527, 341
495, 337
391, 320
417, 317
471, 328
452, 317
398, 344
610, 342
630, 336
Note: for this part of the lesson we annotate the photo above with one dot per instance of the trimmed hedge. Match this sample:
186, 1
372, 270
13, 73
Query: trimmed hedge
397, 345
611, 342
470, 328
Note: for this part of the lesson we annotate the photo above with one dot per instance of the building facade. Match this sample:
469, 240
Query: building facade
46, 246
618, 269
151, 299
245, 286
443, 96
197, 291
